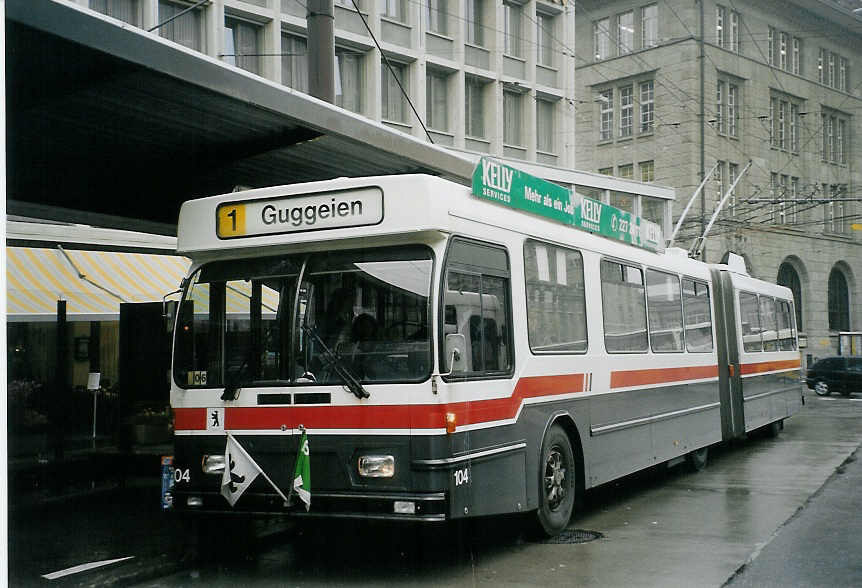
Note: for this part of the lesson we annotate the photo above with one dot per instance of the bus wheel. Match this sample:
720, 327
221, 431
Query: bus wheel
821, 388
773, 429
557, 487
696, 459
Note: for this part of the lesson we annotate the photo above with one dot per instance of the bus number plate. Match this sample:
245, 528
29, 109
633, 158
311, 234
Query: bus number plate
461, 476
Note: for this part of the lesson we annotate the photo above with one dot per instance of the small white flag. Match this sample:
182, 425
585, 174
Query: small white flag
240, 470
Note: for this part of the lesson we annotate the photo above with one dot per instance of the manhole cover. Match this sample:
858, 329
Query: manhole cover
574, 536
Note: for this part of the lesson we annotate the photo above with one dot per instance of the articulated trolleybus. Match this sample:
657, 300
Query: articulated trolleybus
450, 352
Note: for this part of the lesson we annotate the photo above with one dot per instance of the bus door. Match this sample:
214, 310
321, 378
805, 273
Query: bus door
729, 379
477, 347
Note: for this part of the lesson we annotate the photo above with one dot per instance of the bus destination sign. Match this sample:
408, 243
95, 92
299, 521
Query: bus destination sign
506, 185
293, 214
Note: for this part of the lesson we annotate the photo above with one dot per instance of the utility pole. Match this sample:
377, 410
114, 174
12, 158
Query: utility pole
321, 49
702, 56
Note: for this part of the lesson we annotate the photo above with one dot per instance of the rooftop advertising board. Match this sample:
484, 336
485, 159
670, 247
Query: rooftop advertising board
511, 187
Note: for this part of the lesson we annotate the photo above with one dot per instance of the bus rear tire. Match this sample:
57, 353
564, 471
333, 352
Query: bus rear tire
556, 482
697, 459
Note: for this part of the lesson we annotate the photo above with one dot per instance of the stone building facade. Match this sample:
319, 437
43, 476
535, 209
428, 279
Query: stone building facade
671, 91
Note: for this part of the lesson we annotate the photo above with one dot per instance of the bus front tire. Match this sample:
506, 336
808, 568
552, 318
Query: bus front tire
556, 483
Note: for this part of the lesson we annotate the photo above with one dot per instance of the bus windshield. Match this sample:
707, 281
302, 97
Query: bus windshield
301, 319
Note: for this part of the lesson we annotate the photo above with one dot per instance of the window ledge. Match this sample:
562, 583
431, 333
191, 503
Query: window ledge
478, 139
624, 139
515, 57
397, 123
549, 153
605, 142
391, 20
440, 35
548, 67
475, 46
645, 134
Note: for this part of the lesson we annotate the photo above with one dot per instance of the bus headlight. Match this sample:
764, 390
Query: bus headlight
376, 466
213, 464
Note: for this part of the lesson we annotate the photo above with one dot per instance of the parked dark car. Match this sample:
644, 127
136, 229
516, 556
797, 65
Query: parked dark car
835, 374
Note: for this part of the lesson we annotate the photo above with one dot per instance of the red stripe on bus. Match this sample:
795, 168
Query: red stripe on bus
769, 366
417, 416
190, 419
628, 378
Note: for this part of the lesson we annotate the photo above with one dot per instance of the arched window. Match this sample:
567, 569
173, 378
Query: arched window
839, 301
788, 277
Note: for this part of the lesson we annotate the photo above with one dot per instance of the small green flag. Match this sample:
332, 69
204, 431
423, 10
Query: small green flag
302, 472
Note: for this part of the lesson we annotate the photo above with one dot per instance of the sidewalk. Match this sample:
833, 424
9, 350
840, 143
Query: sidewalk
109, 524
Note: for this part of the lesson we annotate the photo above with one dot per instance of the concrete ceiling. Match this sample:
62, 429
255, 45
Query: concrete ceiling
110, 120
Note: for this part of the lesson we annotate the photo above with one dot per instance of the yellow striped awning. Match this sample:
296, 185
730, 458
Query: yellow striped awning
93, 283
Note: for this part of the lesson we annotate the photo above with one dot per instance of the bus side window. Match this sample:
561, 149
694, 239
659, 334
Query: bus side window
476, 304
749, 318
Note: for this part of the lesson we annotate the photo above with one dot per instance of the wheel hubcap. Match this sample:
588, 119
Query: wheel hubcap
821, 388
555, 477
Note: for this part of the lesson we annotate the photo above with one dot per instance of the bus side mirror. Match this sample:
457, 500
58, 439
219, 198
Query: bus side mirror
454, 357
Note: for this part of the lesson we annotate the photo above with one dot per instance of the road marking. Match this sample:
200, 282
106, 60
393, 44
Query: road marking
83, 568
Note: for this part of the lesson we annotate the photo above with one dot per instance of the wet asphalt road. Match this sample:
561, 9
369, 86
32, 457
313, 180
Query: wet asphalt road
765, 512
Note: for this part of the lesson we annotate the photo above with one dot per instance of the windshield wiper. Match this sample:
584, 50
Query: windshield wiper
334, 361
235, 383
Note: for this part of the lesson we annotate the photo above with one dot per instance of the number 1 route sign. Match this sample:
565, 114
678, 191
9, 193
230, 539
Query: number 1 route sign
511, 187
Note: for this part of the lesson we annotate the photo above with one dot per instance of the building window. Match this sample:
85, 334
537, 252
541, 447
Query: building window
626, 172
732, 174
718, 177
474, 17
647, 105
794, 128
782, 196
602, 38
782, 122
796, 56
545, 38
647, 169
720, 14
512, 27
840, 134
242, 44
625, 32
789, 278
782, 51
187, 30
606, 171
732, 102
649, 26
513, 118
128, 11
545, 133
606, 109
349, 86
839, 301
834, 220
394, 9
734, 31
773, 195
437, 12
821, 73
436, 101
294, 62
770, 46
652, 209
842, 74
794, 194
394, 106
719, 107
474, 108
626, 111
830, 80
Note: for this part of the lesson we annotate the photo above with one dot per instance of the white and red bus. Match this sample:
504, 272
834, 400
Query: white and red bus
455, 352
